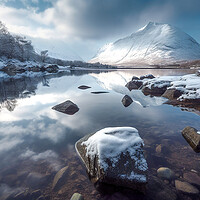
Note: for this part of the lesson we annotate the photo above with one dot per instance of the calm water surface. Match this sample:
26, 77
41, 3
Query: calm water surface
36, 141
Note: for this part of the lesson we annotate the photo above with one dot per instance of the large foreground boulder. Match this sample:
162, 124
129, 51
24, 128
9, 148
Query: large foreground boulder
192, 136
67, 107
115, 156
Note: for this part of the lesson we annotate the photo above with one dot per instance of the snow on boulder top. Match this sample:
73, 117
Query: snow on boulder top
155, 43
111, 143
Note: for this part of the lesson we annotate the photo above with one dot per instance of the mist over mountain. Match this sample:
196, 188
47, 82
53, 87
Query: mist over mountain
154, 44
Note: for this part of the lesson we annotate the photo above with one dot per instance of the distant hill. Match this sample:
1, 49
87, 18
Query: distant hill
154, 44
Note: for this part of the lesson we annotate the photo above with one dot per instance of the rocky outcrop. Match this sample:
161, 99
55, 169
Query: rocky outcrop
127, 101
172, 94
154, 90
192, 136
67, 107
114, 156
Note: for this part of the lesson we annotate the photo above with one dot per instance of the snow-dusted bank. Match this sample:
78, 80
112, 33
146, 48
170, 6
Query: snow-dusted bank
115, 156
180, 90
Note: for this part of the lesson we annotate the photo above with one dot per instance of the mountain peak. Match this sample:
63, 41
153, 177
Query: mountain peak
155, 43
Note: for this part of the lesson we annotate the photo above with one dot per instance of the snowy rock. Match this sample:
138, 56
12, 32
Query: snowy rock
154, 90
198, 73
115, 156
127, 101
148, 76
172, 94
192, 136
67, 107
135, 78
156, 43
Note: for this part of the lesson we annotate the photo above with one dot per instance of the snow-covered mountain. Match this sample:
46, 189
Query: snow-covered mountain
153, 44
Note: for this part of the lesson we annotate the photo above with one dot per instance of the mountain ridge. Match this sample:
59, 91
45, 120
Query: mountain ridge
154, 44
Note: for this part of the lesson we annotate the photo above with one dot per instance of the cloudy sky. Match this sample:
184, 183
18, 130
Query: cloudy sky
81, 27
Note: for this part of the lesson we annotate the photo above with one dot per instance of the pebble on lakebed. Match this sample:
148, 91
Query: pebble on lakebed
115, 156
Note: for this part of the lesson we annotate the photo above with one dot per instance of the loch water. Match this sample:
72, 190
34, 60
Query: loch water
36, 141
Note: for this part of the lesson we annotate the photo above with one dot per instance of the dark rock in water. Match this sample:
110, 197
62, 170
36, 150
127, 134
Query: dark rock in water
77, 196
135, 78
198, 73
100, 92
154, 90
186, 187
67, 107
172, 94
165, 173
192, 136
60, 178
126, 101
134, 84
84, 87
148, 76
120, 164
192, 178
52, 68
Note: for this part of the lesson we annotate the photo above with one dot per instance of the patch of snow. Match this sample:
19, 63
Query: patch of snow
109, 143
188, 84
134, 176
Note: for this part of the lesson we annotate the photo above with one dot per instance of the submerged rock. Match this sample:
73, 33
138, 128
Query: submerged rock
77, 196
115, 156
84, 87
67, 107
192, 178
165, 173
192, 136
186, 187
127, 101
59, 178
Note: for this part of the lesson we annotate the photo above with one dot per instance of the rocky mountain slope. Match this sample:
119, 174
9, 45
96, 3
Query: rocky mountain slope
154, 44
